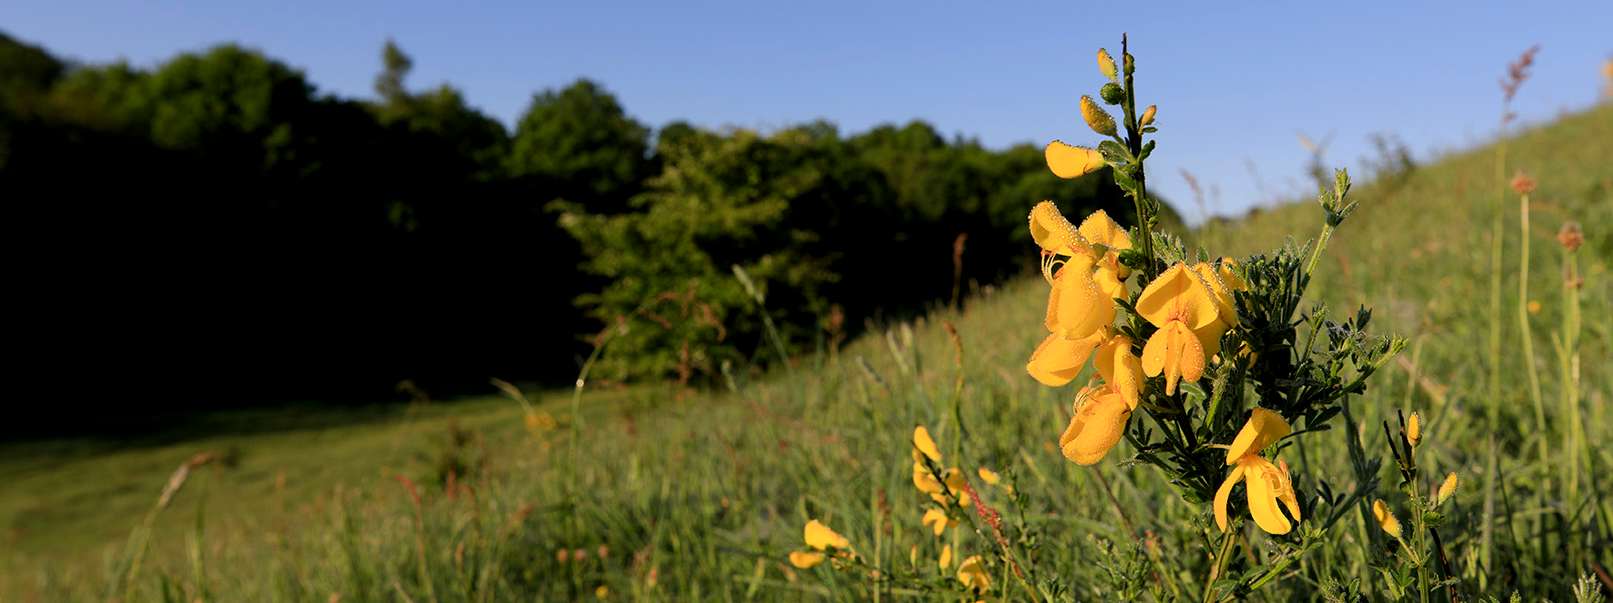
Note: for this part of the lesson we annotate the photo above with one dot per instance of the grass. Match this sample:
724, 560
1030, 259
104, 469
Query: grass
668, 494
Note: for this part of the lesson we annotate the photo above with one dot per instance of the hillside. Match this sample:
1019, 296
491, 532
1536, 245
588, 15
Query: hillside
678, 494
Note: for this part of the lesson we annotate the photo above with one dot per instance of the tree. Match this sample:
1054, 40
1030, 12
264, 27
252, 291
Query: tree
578, 144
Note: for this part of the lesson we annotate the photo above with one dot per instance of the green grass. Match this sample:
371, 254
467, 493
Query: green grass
699, 496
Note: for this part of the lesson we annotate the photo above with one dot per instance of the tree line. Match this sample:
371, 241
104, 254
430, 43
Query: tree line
215, 231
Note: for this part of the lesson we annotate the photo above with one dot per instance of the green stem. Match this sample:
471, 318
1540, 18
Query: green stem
1134, 142
1487, 530
1527, 345
1221, 558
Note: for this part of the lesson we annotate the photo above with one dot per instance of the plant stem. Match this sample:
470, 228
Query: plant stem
1487, 530
1221, 557
1528, 351
1134, 142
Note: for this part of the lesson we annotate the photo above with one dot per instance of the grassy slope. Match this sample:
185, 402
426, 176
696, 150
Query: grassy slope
697, 495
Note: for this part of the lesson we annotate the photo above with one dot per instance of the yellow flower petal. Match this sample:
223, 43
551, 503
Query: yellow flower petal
1098, 424
805, 559
1076, 306
1263, 428
1386, 518
1222, 493
1225, 307
1099, 228
1068, 161
938, 521
1121, 368
1175, 351
1414, 428
1180, 295
922, 442
925, 482
1099, 120
819, 536
972, 573
1054, 233
1106, 65
1148, 115
946, 556
990, 477
1263, 487
1447, 488
1057, 360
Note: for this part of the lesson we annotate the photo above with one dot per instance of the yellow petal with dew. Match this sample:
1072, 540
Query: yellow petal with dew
1176, 352
1178, 294
1447, 488
1106, 65
924, 444
805, 559
1099, 120
1226, 310
1057, 360
1386, 518
1263, 428
1069, 161
1121, 369
1076, 306
1098, 424
1098, 228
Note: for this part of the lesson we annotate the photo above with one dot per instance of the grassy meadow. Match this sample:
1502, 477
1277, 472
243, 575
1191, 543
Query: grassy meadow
651, 492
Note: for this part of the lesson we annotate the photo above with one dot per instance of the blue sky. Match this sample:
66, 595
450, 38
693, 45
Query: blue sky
1234, 85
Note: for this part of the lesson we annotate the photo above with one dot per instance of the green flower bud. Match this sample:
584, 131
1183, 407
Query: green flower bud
1112, 93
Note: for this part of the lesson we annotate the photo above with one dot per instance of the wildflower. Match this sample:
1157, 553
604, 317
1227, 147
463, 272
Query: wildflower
1096, 118
1447, 488
1148, 115
1268, 483
1106, 65
1100, 230
1056, 361
1121, 369
1414, 429
990, 477
972, 573
805, 559
1386, 518
924, 444
1099, 421
946, 556
1069, 161
1523, 184
1570, 236
938, 521
819, 536
1180, 305
603, 592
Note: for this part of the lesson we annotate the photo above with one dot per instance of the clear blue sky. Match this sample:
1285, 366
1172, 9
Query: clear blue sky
1234, 85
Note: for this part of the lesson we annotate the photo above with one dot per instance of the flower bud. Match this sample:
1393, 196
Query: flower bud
1148, 115
1414, 429
1523, 184
1386, 518
1447, 489
1570, 236
1106, 64
1112, 93
1096, 118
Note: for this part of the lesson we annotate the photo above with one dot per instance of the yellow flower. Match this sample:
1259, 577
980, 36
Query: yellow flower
603, 591
1068, 161
1148, 115
819, 536
1267, 483
1121, 368
1180, 305
1386, 518
946, 556
1447, 489
1096, 118
1099, 229
990, 477
972, 573
805, 559
1099, 421
924, 444
1106, 64
938, 521
1414, 429
1056, 361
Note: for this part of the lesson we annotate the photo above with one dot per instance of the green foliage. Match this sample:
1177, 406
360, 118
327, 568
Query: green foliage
582, 141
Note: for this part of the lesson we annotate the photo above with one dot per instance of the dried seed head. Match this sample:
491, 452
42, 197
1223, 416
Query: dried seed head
1523, 184
1570, 236
1096, 118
